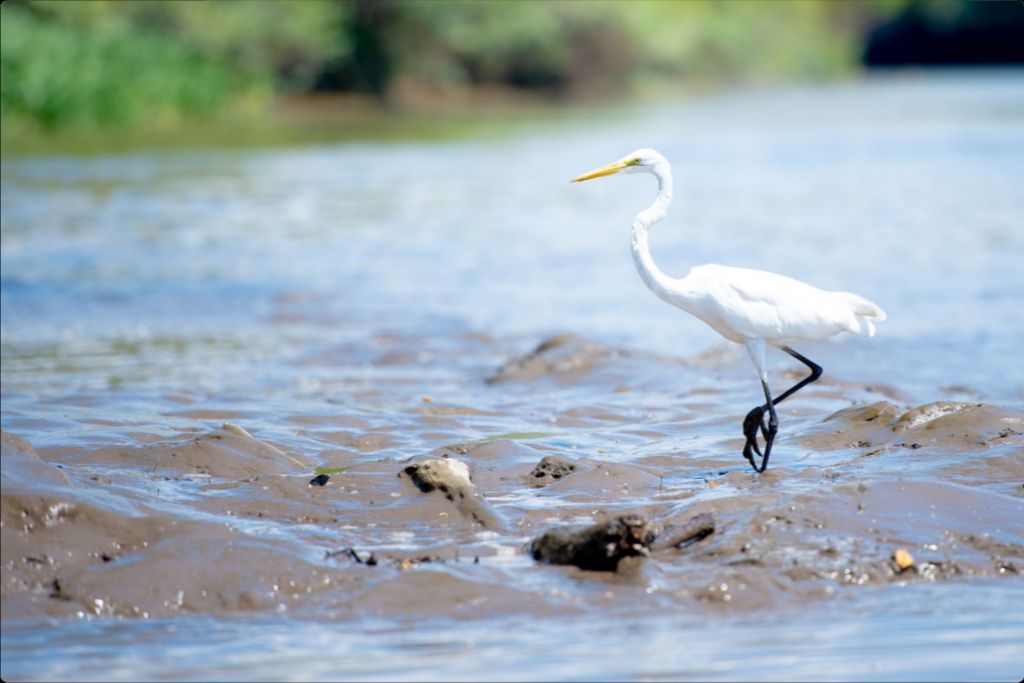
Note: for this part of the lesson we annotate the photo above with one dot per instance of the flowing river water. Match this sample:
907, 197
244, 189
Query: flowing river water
188, 335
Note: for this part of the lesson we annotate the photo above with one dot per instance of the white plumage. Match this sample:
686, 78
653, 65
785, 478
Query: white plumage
749, 307
741, 304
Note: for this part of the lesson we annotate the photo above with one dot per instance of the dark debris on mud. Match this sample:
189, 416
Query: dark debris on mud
602, 545
551, 468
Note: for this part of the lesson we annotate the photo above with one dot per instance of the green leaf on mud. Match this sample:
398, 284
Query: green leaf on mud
330, 470
521, 436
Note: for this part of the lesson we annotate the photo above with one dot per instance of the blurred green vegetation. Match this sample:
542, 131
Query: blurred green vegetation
131, 65
95, 64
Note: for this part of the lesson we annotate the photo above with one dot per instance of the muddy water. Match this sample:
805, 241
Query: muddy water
188, 337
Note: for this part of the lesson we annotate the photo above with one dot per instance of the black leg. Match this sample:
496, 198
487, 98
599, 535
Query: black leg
755, 418
813, 377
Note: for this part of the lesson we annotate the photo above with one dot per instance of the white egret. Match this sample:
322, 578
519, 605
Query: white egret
748, 307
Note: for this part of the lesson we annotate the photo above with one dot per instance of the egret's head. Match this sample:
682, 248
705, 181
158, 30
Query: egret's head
643, 160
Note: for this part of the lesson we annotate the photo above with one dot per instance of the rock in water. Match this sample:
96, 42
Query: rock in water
450, 477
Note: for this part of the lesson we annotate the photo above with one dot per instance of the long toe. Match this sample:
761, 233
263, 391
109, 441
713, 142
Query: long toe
749, 449
751, 423
751, 436
749, 455
769, 440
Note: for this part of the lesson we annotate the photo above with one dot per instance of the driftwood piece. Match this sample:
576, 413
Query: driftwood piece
680, 531
600, 546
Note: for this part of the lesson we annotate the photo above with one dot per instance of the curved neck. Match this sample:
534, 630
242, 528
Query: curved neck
657, 281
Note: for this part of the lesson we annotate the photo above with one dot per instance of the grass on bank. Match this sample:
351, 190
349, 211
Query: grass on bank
106, 76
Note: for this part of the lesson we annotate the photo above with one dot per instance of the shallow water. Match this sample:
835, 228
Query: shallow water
349, 303
825, 641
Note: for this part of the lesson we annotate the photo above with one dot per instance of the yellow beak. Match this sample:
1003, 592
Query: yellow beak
610, 169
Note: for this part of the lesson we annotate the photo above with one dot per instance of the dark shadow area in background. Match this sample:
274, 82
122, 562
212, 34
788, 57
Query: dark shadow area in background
975, 32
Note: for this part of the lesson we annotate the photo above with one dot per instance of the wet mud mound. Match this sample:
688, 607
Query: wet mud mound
227, 453
88, 544
220, 573
50, 525
949, 426
974, 444
564, 357
814, 543
461, 591
23, 469
567, 359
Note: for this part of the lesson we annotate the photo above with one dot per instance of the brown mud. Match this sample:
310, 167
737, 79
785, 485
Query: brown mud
223, 521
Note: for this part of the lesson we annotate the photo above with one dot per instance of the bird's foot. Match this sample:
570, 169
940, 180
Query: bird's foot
751, 424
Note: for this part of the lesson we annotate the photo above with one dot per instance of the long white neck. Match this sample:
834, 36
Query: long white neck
657, 281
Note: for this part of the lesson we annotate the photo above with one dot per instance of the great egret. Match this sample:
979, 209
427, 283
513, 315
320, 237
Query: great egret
748, 307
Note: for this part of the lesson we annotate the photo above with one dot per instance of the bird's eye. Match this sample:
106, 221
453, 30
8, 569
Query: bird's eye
633, 162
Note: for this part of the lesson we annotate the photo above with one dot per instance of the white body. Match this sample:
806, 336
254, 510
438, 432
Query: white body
743, 304
749, 307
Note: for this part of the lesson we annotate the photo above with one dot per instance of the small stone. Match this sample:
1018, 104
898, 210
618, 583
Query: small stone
550, 468
450, 479
319, 480
903, 559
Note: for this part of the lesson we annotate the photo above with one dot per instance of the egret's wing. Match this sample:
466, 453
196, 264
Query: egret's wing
756, 303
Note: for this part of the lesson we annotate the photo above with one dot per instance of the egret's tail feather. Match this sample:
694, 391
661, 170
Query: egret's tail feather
863, 326
861, 306
865, 313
